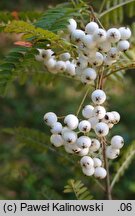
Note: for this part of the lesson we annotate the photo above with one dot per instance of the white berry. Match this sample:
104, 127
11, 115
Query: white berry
71, 121
87, 111
112, 153
87, 162
70, 137
91, 27
102, 129
57, 140
113, 35
99, 35
125, 33
99, 112
123, 46
117, 142
97, 162
98, 97
57, 128
84, 126
116, 117
72, 25
100, 173
50, 118
88, 172
83, 142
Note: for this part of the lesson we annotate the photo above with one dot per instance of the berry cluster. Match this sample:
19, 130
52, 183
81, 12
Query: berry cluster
95, 47
75, 134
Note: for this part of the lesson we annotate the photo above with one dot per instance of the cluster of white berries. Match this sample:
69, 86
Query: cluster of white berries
75, 134
95, 47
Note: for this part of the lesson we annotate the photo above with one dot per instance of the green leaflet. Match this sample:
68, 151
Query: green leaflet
56, 19
77, 187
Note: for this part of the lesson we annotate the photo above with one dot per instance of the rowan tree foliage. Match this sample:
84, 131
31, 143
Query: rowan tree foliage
19, 69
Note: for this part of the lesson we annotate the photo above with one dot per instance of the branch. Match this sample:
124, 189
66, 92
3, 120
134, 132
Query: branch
129, 67
115, 7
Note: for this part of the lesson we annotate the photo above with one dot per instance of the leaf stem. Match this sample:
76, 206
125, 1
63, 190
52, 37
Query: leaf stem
82, 102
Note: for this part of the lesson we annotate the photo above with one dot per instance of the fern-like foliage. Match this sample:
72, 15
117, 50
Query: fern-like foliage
56, 19
30, 31
34, 139
116, 10
77, 187
11, 66
124, 163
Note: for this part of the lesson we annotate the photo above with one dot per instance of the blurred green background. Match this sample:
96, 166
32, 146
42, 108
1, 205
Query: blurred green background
25, 172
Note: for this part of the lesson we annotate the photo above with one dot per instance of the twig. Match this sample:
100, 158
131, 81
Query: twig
108, 188
132, 66
94, 16
82, 102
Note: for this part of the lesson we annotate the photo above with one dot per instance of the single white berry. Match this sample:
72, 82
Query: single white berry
97, 162
113, 54
60, 66
57, 140
77, 35
84, 126
99, 35
102, 129
98, 97
104, 46
72, 25
65, 56
89, 74
56, 128
125, 33
91, 27
100, 173
70, 137
89, 41
123, 46
87, 162
113, 35
112, 153
116, 117
83, 142
95, 145
83, 152
71, 121
99, 112
88, 172
93, 121
117, 142
70, 68
87, 111
50, 118
96, 60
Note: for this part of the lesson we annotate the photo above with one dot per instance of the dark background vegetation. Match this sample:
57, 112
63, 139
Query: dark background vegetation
26, 173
